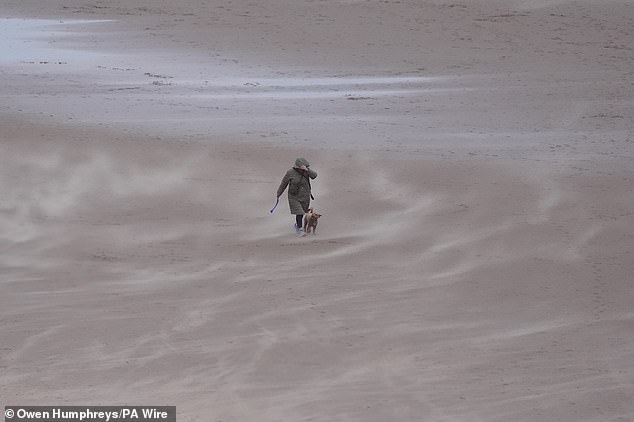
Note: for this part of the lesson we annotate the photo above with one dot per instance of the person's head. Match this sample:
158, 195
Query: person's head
302, 163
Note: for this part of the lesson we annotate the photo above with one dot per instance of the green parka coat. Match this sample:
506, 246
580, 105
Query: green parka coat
298, 183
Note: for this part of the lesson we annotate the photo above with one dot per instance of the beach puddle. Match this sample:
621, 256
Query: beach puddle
353, 88
33, 41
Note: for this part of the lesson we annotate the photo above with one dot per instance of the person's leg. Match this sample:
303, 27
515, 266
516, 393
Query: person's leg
299, 222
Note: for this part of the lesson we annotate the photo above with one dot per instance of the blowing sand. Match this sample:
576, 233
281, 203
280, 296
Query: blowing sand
474, 258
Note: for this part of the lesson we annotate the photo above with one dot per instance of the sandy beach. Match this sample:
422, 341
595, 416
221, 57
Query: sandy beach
474, 261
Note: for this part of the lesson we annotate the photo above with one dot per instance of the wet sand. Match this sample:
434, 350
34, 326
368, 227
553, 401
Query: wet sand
474, 260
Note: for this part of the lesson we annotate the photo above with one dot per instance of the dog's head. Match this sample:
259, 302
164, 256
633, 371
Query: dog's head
316, 215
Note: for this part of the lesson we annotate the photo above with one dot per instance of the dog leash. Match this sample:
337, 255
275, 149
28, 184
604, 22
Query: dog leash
276, 202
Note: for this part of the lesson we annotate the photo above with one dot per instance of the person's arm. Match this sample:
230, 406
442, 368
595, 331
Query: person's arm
285, 180
311, 173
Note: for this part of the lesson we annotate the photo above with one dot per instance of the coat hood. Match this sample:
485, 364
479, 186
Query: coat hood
301, 162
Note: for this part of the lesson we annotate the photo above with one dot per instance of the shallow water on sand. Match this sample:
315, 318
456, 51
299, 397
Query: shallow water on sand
34, 41
52, 72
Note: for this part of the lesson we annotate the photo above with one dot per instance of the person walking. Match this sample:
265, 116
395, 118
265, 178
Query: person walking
299, 190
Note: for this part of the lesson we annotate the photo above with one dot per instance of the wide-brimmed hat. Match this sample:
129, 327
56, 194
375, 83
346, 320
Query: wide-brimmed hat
301, 162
